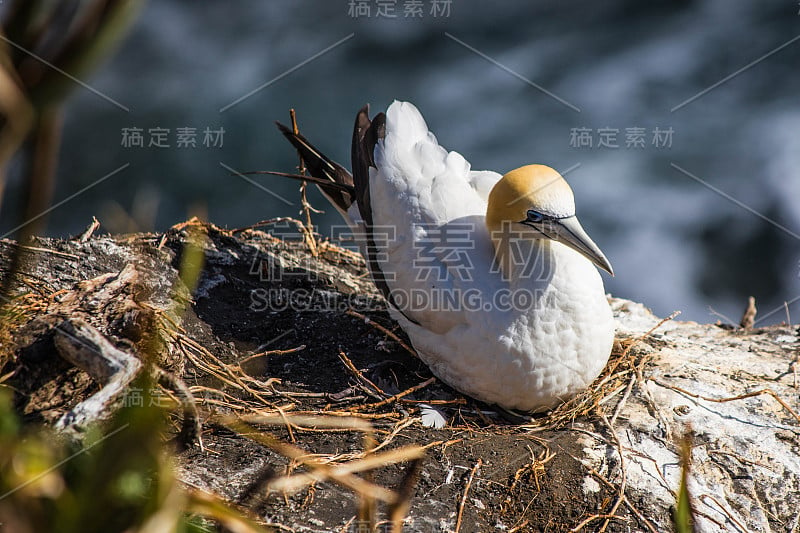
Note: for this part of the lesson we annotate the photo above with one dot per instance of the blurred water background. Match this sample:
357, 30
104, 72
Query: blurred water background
619, 72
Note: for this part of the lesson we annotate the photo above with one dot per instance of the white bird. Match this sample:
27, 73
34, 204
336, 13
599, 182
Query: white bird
492, 277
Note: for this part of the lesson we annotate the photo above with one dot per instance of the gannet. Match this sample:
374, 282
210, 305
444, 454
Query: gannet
492, 277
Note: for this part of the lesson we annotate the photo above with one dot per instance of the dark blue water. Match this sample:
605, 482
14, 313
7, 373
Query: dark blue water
618, 74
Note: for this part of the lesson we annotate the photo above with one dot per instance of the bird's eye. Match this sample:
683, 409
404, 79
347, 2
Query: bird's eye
535, 216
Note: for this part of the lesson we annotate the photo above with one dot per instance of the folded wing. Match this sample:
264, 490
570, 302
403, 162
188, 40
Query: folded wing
427, 211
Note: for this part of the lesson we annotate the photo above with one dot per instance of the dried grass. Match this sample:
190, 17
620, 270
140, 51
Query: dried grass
17, 312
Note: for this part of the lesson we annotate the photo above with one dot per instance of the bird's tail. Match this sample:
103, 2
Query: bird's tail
333, 179
344, 189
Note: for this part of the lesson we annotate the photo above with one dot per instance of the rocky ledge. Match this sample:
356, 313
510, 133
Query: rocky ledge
298, 346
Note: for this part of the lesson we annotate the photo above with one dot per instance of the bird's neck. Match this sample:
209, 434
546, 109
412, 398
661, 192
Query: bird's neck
521, 257
525, 262
549, 271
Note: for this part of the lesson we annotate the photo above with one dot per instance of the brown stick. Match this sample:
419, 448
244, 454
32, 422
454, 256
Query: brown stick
609, 485
89, 231
382, 329
357, 373
464, 496
308, 232
319, 471
623, 475
271, 352
397, 396
749, 316
732, 398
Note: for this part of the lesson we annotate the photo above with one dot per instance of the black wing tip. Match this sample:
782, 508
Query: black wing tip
286, 130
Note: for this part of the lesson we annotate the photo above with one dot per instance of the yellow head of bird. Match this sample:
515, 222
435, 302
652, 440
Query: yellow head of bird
537, 187
537, 201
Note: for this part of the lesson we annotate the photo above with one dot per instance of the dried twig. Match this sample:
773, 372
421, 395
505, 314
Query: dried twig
308, 227
588, 520
724, 510
319, 471
304, 421
623, 477
271, 222
382, 329
749, 316
535, 466
37, 249
519, 526
346, 527
400, 426
623, 400
343, 474
397, 396
89, 231
759, 392
271, 352
361, 377
600, 477
463, 502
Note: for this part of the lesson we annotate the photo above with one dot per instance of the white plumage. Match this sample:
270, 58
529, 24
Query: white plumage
493, 278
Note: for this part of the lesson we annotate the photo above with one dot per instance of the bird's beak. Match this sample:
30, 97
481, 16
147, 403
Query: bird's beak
569, 231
